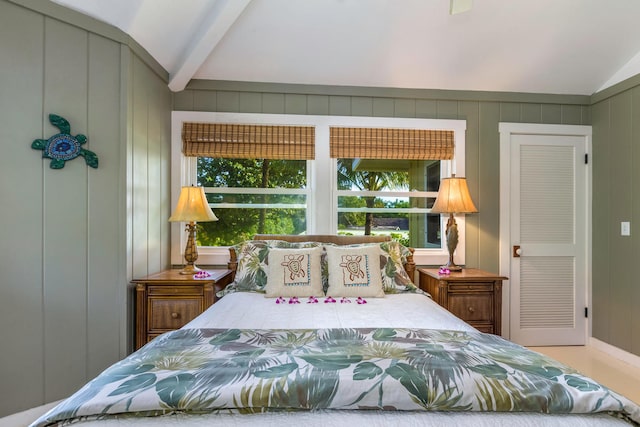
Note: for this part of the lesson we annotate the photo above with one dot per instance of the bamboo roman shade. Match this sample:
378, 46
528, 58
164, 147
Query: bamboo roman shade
385, 143
245, 141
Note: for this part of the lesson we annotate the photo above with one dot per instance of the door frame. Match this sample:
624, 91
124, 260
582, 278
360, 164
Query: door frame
506, 131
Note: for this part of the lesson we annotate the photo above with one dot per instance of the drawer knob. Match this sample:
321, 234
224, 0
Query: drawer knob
471, 309
175, 315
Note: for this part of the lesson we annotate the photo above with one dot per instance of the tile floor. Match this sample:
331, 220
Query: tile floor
607, 370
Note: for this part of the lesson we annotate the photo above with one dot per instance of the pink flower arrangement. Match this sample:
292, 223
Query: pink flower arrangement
314, 300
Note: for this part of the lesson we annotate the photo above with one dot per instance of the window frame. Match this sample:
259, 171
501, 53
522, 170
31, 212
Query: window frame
320, 171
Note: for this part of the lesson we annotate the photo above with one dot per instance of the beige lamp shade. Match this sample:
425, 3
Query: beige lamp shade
453, 197
192, 206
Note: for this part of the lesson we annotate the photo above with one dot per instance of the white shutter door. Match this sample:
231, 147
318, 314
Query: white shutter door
548, 223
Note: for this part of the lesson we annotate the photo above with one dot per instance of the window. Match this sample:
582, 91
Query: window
381, 185
255, 173
325, 190
388, 197
252, 196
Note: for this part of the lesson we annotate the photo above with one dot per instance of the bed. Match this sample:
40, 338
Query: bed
260, 357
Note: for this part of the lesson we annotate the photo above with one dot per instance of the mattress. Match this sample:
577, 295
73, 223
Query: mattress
245, 310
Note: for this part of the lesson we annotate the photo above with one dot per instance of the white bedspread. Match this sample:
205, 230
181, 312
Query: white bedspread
240, 310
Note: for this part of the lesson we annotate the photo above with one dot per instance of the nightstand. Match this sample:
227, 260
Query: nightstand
168, 300
474, 296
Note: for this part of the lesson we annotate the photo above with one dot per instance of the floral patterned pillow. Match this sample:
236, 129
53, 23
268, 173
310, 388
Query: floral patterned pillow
394, 277
251, 272
294, 272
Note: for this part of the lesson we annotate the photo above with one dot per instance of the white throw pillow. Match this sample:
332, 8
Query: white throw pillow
354, 271
294, 273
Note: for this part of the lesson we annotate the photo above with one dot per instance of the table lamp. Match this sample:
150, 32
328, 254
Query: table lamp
453, 198
192, 207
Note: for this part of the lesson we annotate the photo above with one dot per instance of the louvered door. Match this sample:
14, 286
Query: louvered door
548, 218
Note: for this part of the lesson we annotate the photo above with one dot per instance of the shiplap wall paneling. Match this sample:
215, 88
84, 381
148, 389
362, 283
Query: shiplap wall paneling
150, 171
470, 111
295, 104
140, 172
65, 216
602, 196
426, 108
21, 183
339, 105
635, 219
316, 104
488, 181
622, 277
571, 114
105, 230
158, 177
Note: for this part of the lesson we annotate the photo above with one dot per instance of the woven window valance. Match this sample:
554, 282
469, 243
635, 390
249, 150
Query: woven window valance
374, 143
243, 141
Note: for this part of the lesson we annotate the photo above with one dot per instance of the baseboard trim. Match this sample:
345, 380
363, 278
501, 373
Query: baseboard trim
616, 352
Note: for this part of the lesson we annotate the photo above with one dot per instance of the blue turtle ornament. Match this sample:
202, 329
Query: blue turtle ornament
63, 146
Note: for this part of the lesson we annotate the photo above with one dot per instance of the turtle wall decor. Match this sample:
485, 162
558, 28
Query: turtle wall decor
63, 146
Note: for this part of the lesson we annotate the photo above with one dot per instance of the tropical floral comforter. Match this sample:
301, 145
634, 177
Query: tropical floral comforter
247, 371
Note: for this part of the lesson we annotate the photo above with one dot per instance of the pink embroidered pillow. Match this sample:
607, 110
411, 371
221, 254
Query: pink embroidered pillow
294, 273
354, 271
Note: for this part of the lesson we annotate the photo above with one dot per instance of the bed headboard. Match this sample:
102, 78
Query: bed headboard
410, 266
323, 238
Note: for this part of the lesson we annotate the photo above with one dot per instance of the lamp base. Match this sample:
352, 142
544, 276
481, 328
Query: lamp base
452, 243
191, 251
190, 269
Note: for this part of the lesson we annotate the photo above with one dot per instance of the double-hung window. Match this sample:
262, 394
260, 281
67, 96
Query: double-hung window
296, 174
388, 179
255, 176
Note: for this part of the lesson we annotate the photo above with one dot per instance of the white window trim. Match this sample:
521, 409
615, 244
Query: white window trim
321, 170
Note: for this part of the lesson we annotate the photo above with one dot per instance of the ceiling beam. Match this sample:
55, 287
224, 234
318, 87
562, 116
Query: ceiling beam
213, 27
460, 6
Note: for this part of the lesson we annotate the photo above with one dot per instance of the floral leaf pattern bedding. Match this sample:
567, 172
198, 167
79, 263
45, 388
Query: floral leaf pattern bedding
249, 371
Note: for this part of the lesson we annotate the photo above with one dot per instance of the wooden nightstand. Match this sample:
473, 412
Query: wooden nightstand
473, 295
168, 300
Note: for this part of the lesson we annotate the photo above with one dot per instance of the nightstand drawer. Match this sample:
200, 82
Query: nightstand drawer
181, 290
463, 287
168, 314
472, 307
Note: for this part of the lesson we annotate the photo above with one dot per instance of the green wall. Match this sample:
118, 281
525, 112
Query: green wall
482, 111
73, 238
616, 178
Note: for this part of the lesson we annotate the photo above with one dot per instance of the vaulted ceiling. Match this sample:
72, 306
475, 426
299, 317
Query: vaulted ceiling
538, 46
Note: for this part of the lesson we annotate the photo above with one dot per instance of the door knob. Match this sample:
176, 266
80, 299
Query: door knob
517, 251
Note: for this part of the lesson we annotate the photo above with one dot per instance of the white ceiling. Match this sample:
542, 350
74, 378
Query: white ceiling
540, 46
